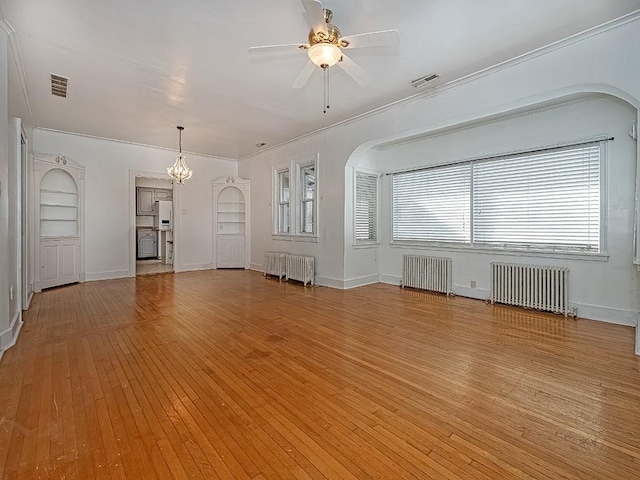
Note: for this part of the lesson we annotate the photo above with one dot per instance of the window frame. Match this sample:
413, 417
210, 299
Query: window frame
361, 242
278, 202
296, 202
508, 249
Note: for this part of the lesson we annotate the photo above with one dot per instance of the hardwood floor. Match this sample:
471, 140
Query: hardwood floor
224, 374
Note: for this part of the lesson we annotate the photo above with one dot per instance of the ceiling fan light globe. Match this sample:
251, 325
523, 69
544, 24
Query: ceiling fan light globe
324, 55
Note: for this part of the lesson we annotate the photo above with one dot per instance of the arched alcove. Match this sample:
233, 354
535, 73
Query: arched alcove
231, 223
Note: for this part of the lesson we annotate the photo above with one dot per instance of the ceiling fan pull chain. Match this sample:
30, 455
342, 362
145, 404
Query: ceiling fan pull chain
326, 88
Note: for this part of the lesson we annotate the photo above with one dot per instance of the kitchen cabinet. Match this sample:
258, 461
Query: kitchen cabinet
146, 199
145, 202
162, 194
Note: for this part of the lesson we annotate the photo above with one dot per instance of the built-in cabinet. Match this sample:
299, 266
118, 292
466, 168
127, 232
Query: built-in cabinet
146, 199
231, 222
59, 187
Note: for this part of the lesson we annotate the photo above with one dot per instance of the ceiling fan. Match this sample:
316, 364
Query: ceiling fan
326, 46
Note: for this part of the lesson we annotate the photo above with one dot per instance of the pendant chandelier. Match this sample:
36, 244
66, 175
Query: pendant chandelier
179, 171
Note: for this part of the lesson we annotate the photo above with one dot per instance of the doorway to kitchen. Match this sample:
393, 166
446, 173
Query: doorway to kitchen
153, 229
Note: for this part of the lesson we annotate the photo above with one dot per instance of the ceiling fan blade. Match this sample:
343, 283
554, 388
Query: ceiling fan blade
354, 71
373, 39
286, 47
304, 75
314, 15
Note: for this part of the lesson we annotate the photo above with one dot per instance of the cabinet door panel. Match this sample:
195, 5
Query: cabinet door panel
145, 201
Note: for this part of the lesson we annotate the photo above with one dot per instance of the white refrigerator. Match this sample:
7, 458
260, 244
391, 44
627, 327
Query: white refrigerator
163, 219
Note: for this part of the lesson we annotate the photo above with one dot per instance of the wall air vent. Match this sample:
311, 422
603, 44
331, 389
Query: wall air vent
59, 85
427, 81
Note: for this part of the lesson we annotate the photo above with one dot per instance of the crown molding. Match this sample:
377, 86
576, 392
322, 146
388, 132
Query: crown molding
137, 144
576, 38
17, 58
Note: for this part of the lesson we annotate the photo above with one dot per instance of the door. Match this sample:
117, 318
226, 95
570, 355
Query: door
59, 262
230, 251
59, 229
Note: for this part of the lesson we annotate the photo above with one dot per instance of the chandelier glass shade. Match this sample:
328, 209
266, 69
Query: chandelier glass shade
179, 171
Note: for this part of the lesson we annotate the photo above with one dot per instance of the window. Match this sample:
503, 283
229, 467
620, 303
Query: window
547, 200
307, 198
283, 195
433, 205
295, 191
366, 207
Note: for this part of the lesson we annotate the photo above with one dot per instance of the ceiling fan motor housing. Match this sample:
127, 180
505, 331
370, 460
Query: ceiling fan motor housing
333, 33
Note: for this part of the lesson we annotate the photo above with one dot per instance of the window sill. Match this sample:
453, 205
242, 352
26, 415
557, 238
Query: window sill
365, 245
295, 238
595, 257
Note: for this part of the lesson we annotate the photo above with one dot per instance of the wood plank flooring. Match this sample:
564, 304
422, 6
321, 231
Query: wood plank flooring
227, 375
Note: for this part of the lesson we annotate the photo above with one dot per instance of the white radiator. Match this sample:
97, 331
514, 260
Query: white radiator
531, 286
275, 264
300, 268
427, 273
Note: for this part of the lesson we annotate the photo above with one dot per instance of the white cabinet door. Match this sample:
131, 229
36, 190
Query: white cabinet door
59, 262
230, 251
145, 201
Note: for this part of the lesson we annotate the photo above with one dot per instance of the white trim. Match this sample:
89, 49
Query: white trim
595, 257
576, 38
12, 332
618, 316
638, 336
19, 62
28, 300
329, 282
256, 267
176, 203
191, 267
468, 292
361, 281
107, 139
391, 279
97, 276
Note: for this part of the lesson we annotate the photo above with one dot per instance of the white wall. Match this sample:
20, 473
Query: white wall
601, 288
108, 205
596, 62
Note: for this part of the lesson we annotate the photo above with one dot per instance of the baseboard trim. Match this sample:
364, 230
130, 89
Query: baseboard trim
391, 279
9, 337
192, 267
361, 281
618, 316
476, 293
257, 267
329, 282
94, 277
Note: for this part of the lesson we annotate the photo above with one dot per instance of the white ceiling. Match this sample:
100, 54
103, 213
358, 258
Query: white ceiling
139, 68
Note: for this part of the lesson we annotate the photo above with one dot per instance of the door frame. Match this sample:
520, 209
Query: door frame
244, 185
133, 174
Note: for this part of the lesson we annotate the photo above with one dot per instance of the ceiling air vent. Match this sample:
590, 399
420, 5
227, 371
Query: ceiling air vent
427, 81
59, 85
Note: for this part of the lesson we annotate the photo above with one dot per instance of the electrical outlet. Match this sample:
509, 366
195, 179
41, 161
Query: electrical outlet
184, 211
11, 293
472, 283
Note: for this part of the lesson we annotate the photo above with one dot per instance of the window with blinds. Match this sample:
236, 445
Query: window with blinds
366, 207
540, 200
432, 205
547, 200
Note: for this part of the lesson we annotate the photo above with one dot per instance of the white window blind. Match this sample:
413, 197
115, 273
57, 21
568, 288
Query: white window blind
366, 207
433, 204
546, 199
